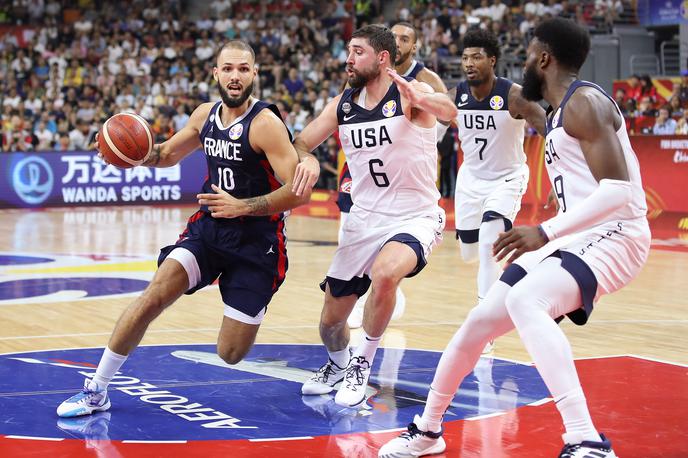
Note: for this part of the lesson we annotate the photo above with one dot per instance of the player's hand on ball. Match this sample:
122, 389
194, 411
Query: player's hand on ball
96, 146
222, 204
306, 175
517, 241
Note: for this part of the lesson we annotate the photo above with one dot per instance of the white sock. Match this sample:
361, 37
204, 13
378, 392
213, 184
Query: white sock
435, 407
341, 357
108, 366
367, 347
488, 269
574, 412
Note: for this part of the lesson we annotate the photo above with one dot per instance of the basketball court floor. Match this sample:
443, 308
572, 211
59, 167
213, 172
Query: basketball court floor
66, 275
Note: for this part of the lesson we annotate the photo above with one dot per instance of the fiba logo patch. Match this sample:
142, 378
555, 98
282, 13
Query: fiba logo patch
32, 180
236, 131
496, 102
346, 107
464, 97
389, 108
345, 186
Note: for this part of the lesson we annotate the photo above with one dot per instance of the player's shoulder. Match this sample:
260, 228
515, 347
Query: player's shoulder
586, 110
425, 75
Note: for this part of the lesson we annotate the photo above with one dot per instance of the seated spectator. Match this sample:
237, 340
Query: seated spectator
682, 124
620, 99
675, 108
647, 89
81, 138
45, 137
665, 125
633, 92
683, 89
645, 108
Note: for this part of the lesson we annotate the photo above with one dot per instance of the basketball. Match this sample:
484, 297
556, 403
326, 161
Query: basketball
125, 140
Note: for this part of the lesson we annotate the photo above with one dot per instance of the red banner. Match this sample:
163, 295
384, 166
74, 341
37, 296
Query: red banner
663, 165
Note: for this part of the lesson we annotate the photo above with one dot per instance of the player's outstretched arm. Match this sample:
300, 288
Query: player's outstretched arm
316, 132
268, 134
592, 120
520, 108
422, 97
182, 143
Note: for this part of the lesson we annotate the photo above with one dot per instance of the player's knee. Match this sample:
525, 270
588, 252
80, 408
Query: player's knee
384, 280
469, 252
517, 301
231, 354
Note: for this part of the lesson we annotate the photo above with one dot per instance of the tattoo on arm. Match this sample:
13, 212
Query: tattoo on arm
258, 206
154, 158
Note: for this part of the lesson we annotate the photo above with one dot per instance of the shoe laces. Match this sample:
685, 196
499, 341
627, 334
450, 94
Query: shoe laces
569, 450
326, 371
356, 370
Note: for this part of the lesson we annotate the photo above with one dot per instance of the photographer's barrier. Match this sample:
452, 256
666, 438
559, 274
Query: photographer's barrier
55, 179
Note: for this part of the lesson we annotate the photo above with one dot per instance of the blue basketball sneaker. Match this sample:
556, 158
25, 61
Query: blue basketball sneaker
586, 449
85, 402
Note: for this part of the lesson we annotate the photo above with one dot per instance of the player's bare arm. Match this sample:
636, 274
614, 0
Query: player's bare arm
428, 104
592, 119
182, 143
316, 132
532, 112
283, 159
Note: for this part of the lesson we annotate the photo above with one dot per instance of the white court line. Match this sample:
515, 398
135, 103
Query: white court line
269, 439
301, 326
35, 438
153, 442
540, 402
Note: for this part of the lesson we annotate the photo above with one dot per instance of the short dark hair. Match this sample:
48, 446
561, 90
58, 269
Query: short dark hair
380, 38
238, 44
566, 40
410, 26
479, 38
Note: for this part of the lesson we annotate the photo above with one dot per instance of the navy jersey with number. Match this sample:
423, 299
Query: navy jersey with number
232, 162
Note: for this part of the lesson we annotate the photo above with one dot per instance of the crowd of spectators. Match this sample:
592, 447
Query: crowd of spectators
68, 65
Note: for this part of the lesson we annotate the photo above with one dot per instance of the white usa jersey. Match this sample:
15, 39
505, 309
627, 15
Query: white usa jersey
569, 172
491, 139
393, 162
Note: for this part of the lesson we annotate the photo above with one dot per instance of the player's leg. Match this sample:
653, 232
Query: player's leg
486, 321
547, 292
170, 281
334, 333
237, 334
489, 269
394, 262
468, 205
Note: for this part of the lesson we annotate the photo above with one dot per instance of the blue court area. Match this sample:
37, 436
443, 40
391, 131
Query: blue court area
185, 392
16, 260
88, 286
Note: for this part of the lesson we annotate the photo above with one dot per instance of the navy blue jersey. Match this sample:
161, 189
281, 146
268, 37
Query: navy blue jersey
232, 162
414, 69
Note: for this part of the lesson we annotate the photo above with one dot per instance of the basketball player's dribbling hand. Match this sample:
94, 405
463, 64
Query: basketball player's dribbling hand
406, 89
518, 240
222, 204
96, 146
306, 175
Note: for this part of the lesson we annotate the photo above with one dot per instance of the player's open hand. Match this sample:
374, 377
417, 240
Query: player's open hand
222, 204
96, 146
406, 89
517, 241
306, 175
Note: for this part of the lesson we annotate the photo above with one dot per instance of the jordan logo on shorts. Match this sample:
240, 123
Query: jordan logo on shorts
270, 250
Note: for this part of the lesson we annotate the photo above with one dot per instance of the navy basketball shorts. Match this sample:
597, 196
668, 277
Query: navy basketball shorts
248, 255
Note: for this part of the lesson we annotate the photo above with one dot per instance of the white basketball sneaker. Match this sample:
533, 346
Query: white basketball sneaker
353, 389
587, 449
413, 442
324, 380
85, 402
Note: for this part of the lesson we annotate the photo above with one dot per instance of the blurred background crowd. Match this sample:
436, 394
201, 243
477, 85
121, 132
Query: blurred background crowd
66, 66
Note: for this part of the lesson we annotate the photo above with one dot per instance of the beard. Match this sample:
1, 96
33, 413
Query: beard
361, 78
401, 57
234, 102
532, 85
475, 82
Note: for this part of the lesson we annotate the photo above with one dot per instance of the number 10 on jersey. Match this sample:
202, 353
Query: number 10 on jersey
226, 177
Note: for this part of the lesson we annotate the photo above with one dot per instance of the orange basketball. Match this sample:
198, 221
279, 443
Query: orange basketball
125, 140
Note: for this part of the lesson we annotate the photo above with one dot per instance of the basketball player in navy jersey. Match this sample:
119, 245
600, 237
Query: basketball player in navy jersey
236, 236
597, 243
406, 65
387, 130
493, 176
